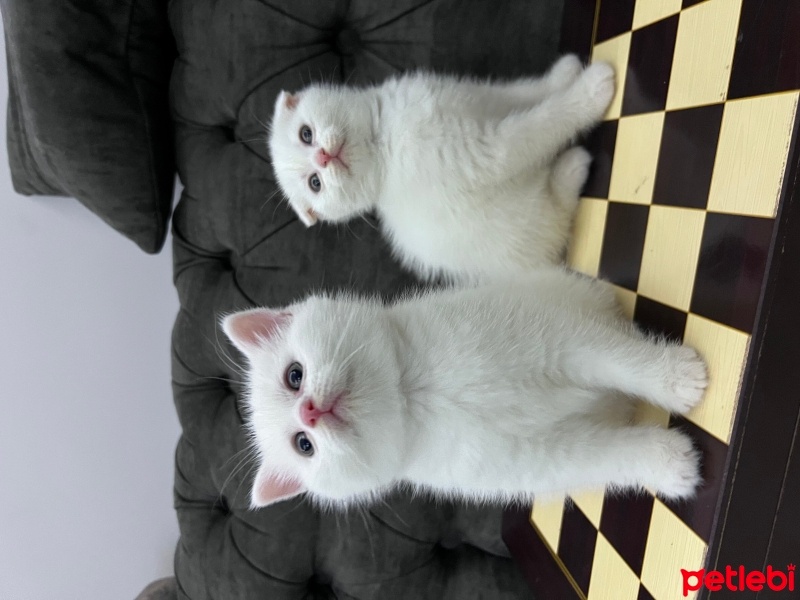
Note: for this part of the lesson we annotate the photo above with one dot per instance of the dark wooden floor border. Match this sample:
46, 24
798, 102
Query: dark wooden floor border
541, 570
758, 520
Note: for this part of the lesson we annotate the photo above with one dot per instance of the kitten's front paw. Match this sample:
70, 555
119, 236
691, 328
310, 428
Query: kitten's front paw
599, 81
565, 70
680, 474
688, 379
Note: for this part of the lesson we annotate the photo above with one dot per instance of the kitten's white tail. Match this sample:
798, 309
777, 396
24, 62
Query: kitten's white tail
570, 171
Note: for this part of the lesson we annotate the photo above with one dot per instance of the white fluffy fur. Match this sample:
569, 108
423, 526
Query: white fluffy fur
469, 179
491, 394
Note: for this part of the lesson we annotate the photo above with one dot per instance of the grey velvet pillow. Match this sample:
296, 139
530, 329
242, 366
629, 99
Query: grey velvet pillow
88, 113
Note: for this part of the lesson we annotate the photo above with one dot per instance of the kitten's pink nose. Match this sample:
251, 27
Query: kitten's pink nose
323, 157
310, 414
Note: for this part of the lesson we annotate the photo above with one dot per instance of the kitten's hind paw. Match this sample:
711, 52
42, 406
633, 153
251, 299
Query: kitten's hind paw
692, 376
686, 380
565, 71
569, 174
680, 475
599, 82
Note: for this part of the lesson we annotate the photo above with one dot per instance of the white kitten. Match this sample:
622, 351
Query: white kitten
494, 393
468, 178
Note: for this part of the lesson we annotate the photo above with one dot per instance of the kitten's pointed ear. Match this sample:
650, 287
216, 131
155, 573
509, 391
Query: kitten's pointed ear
286, 101
249, 330
307, 217
269, 488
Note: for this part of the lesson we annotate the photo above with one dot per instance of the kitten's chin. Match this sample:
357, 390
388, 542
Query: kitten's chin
342, 218
338, 214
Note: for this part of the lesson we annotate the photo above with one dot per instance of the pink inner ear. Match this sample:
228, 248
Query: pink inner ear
307, 217
289, 100
269, 488
250, 329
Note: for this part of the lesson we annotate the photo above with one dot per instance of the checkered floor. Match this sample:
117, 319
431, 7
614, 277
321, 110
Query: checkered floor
679, 214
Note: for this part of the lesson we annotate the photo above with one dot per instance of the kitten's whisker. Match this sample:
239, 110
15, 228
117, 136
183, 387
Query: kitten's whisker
353, 233
345, 363
247, 476
259, 121
267, 126
242, 462
228, 361
364, 218
271, 196
224, 379
362, 512
274, 210
393, 511
220, 352
343, 335
239, 466
237, 454
294, 508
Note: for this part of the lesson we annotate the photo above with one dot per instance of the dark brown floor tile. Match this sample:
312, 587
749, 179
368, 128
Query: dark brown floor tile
767, 55
660, 319
644, 594
615, 17
686, 156
730, 270
649, 66
698, 513
600, 143
625, 523
623, 243
688, 3
576, 545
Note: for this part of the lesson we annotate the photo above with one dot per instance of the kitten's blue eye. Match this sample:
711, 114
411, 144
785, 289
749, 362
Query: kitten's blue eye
305, 135
294, 376
314, 183
303, 445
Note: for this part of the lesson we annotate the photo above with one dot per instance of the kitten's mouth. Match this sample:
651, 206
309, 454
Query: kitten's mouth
329, 412
338, 158
341, 164
333, 410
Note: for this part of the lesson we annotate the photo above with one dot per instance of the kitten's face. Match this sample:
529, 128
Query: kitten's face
325, 411
322, 155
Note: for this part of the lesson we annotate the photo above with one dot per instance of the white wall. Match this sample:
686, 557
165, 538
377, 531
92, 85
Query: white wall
87, 425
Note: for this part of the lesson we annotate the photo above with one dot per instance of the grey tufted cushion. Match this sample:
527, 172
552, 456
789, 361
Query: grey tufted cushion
237, 244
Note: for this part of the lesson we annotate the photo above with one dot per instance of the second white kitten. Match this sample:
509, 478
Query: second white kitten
469, 179
496, 393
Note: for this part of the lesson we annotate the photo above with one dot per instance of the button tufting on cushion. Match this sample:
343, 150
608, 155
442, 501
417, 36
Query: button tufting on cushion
222, 506
347, 42
229, 132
